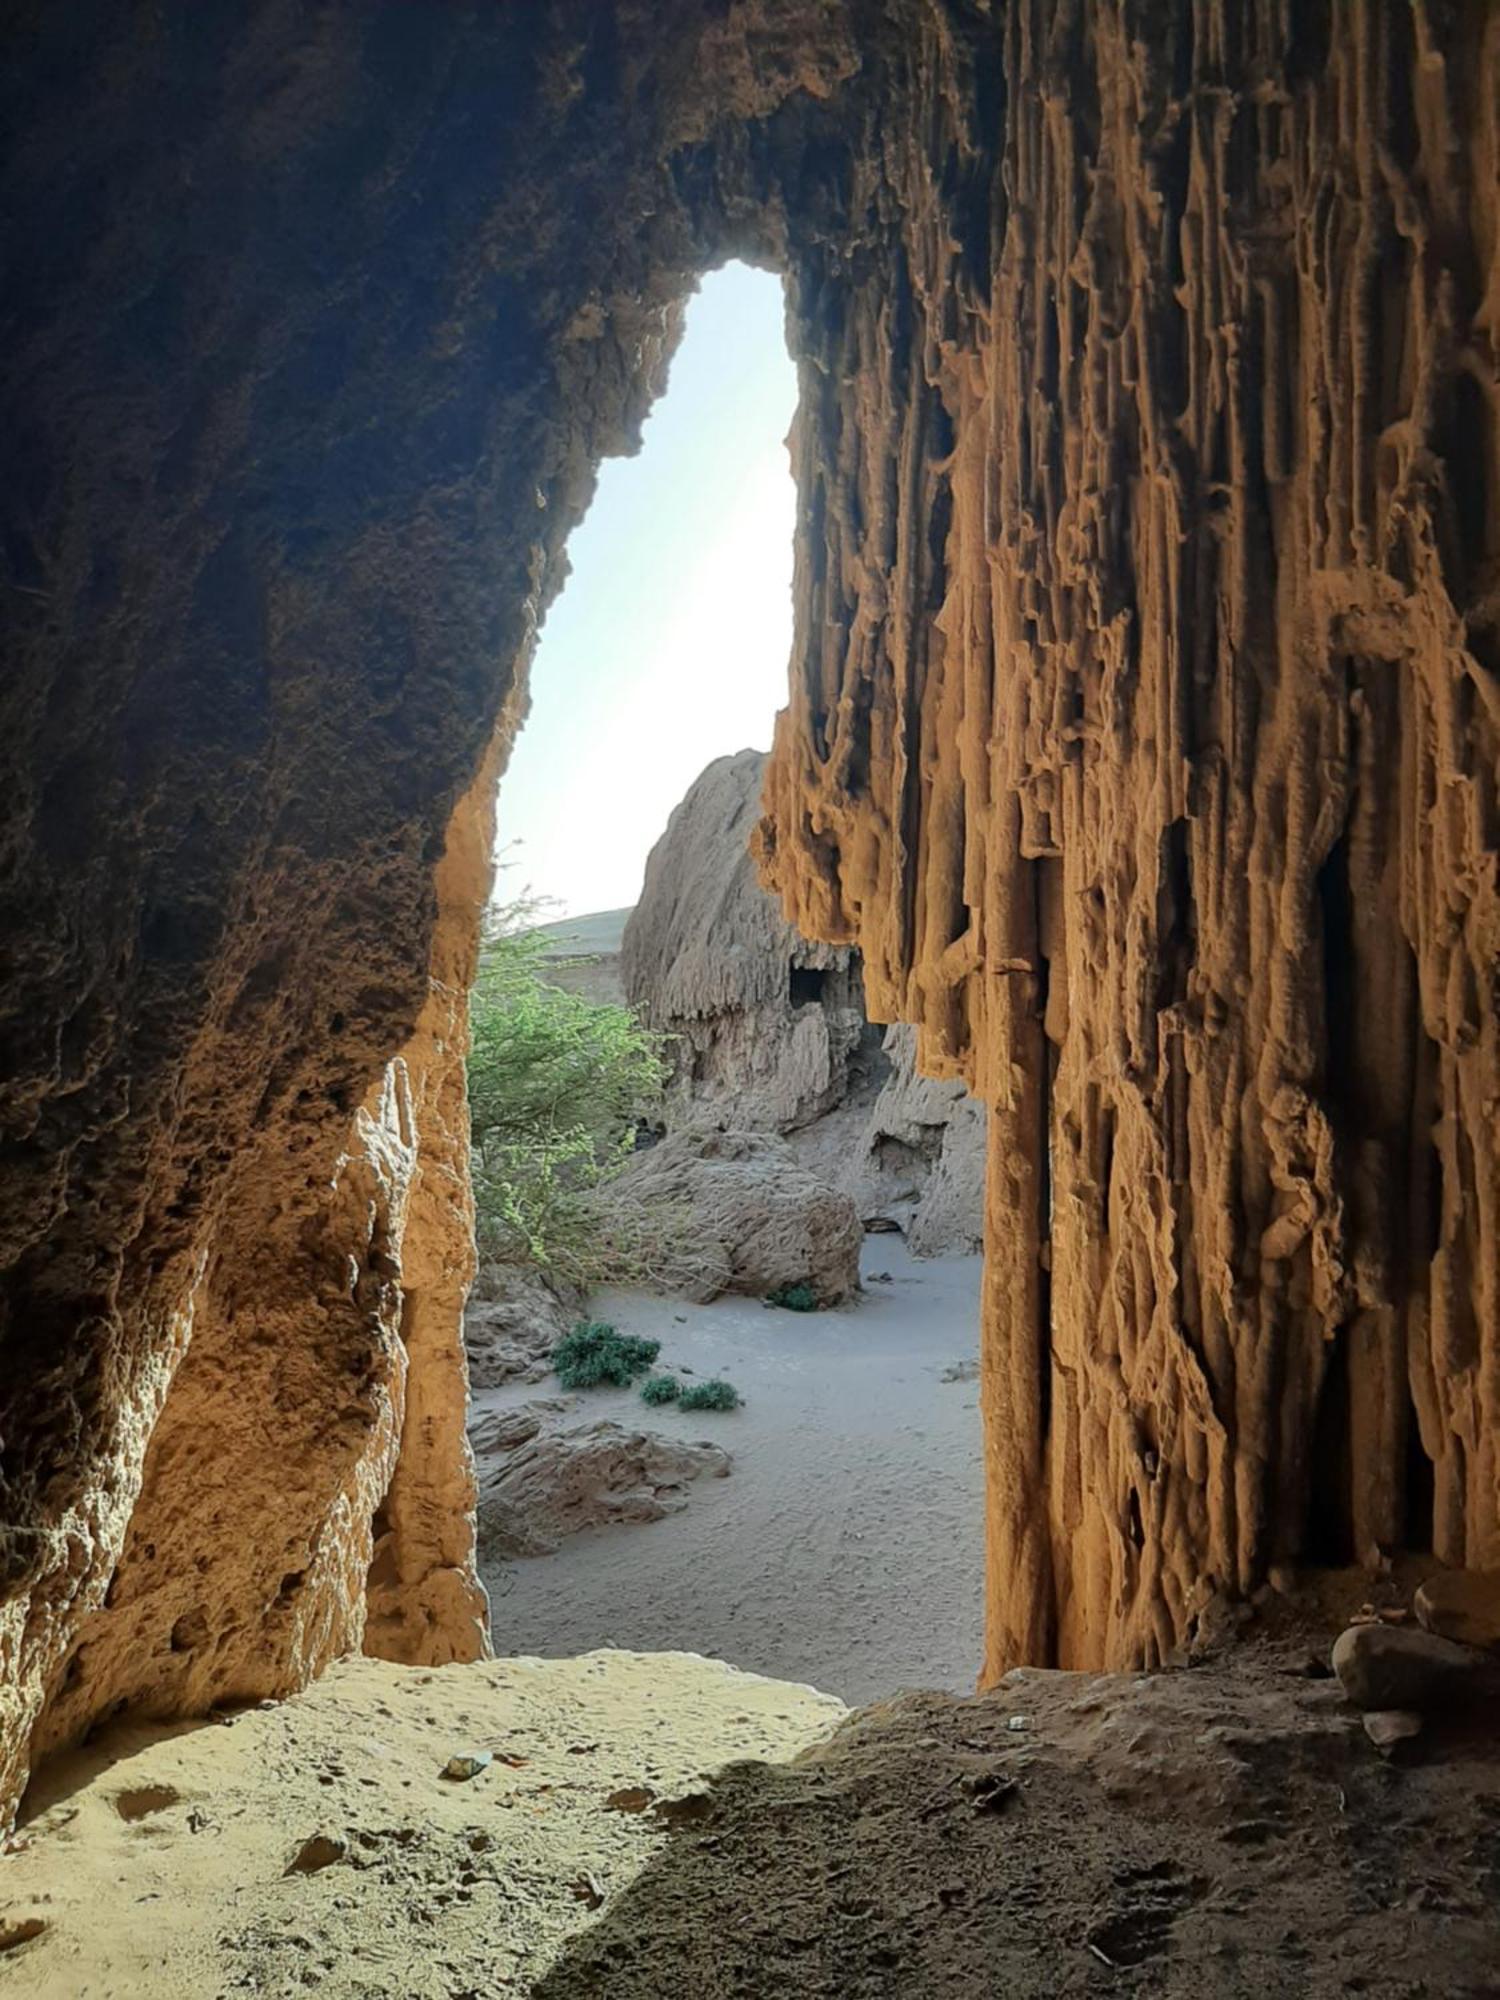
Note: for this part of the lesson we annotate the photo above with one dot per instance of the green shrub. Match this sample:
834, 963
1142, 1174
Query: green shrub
557, 1084
715, 1395
593, 1354
800, 1298
661, 1389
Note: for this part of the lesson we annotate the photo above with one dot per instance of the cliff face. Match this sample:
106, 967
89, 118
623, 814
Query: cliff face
767, 1032
1143, 738
321, 324
1144, 734
765, 1026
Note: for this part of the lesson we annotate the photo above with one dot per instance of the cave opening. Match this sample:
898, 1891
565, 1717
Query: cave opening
806, 984
686, 1135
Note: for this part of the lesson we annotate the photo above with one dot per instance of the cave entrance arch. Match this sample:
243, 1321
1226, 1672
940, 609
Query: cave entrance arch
1148, 462
664, 656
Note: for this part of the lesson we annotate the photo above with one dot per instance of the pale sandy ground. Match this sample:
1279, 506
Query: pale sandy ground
846, 1547
157, 1863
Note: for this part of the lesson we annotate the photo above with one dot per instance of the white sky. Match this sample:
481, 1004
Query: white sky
668, 646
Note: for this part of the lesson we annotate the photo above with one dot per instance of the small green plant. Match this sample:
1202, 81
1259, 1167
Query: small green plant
661, 1389
556, 1085
593, 1354
799, 1298
715, 1395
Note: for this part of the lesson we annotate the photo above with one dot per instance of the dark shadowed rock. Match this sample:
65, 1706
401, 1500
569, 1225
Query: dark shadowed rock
1399, 1667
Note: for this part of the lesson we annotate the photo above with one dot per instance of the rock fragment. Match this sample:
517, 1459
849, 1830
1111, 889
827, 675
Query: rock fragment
1386, 1727
1402, 1667
467, 1764
1463, 1605
321, 1850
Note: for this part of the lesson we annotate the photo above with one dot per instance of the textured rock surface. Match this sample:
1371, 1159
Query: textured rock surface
737, 1214
1462, 1605
1143, 739
564, 1478
922, 1155
511, 1330
1399, 1667
441, 1887
1214, 1833
766, 1027
769, 1032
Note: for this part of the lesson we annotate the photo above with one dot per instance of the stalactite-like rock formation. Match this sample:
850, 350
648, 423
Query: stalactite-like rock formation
1143, 737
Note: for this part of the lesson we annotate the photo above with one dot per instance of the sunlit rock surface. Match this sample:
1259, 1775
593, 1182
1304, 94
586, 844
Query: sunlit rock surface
1143, 737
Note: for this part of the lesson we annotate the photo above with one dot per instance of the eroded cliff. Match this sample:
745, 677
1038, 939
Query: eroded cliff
1143, 737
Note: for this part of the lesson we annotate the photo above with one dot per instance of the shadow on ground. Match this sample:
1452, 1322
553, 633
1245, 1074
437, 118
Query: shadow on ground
1224, 1831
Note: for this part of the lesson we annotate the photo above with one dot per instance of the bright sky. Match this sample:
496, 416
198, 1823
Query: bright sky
668, 646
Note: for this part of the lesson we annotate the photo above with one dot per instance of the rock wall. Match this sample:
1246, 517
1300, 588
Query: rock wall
1143, 737
767, 1032
766, 1029
321, 323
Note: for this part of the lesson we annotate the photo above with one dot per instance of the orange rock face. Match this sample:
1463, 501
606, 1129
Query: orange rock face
1144, 735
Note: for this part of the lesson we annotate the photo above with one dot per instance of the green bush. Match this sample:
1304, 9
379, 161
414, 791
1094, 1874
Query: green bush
593, 1354
799, 1298
661, 1389
715, 1395
557, 1084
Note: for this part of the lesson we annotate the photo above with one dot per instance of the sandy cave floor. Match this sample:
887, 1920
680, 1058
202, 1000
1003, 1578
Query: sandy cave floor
846, 1548
1226, 1830
160, 1864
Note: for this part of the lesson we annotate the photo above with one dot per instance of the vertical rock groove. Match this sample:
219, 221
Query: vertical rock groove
1143, 736
1207, 650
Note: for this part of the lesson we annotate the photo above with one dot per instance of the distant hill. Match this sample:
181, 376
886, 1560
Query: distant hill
583, 954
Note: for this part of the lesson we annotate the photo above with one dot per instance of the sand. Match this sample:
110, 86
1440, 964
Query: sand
158, 1862
846, 1547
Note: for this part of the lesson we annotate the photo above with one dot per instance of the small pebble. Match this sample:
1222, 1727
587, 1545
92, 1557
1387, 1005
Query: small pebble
468, 1765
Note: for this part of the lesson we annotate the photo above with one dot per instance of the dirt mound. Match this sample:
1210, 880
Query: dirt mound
739, 1215
1220, 1832
556, 1481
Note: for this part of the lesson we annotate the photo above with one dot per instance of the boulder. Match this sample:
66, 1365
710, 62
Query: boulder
738, 1214
1399, 1667
1462, 1604
504, 1430
587, 1476
512, 1324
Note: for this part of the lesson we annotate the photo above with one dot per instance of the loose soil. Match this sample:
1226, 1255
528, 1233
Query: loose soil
847, 1546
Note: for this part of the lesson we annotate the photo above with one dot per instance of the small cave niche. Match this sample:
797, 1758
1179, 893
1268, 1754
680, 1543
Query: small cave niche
1419, 1491
1328, 1542
806, 983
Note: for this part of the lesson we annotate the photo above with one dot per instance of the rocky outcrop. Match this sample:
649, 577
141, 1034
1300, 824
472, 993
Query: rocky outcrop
1142, 738
920, 1159
566, 1478
767, 1032
1143, 734
734, 1212
512, 1325
765, 1028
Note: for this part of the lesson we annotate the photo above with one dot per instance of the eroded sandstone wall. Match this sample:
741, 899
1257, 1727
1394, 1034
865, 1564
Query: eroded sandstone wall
1144, 735
1143, 738
319, 324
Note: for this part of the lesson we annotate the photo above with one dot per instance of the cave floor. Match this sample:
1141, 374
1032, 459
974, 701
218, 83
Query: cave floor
1224, 1830
846, 1548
